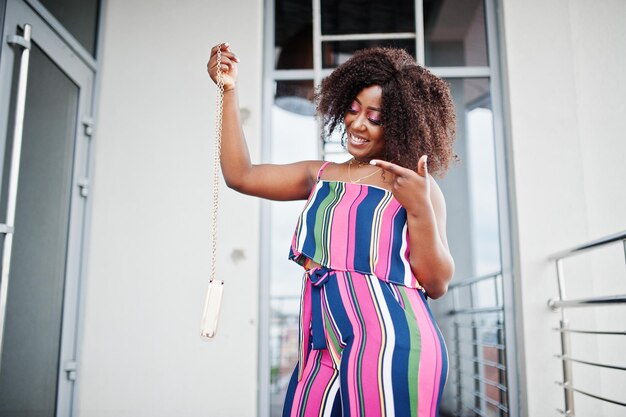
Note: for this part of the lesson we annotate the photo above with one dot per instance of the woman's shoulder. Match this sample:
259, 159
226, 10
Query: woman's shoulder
327, 170
318, 167
313, 168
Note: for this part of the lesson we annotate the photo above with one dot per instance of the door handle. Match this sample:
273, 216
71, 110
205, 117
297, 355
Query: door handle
23, 44
5, 229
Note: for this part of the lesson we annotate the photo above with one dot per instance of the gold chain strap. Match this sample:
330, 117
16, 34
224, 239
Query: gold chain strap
213, 300
216, 160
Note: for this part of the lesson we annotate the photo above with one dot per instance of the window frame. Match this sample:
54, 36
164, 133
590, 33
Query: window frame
502, 153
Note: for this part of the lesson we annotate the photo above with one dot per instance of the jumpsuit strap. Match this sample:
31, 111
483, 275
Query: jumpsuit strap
319, 173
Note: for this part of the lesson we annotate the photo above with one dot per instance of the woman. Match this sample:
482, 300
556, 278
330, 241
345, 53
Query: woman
371, 237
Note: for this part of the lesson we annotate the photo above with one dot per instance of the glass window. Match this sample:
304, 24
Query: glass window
470, 185
79, 17
294, 137
337, 52
293, 35
340, 17
295, 96
34, 311
454, 31
475, 341
455, 36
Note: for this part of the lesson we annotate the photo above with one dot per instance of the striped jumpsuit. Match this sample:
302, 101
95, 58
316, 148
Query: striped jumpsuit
369, 345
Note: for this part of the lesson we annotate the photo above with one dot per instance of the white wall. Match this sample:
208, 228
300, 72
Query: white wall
148, 261
564, 67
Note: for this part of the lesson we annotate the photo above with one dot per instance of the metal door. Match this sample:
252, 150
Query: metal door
45, 109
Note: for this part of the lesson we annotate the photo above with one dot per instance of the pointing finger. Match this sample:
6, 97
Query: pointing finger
422, 166
388, 166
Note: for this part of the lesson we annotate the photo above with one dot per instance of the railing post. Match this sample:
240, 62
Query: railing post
457, 360
501, 360
476, 367
567, 368
475, 349
560, 279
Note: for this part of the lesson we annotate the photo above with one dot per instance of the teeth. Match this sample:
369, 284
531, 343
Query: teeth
357, 139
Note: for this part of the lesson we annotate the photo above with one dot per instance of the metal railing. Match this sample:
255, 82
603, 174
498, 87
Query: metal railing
478, 347
565, 331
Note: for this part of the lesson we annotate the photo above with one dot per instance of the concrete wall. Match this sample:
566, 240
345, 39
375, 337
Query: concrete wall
148, 261
564, 70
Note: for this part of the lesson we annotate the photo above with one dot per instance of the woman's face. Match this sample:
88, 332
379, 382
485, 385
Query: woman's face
364, 128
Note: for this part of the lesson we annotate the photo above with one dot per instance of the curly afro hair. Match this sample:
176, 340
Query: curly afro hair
417, 110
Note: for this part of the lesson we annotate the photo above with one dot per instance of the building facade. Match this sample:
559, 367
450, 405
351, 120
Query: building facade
107, 116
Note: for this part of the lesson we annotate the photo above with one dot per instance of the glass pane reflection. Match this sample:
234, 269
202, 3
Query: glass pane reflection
79, 17
470, 186
294, 138
455, 33
473, 233
293, 35
29, 368
338, 52
340, 17
295, 96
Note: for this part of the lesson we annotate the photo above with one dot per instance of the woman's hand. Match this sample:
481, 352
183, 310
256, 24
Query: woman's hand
228, 66
410, 188
419, 194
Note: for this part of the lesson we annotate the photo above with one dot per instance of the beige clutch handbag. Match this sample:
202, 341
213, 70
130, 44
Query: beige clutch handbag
213, 301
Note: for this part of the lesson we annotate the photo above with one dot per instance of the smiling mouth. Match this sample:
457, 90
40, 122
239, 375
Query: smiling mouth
357, 140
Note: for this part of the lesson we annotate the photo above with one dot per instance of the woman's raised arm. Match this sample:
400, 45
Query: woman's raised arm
276, 182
